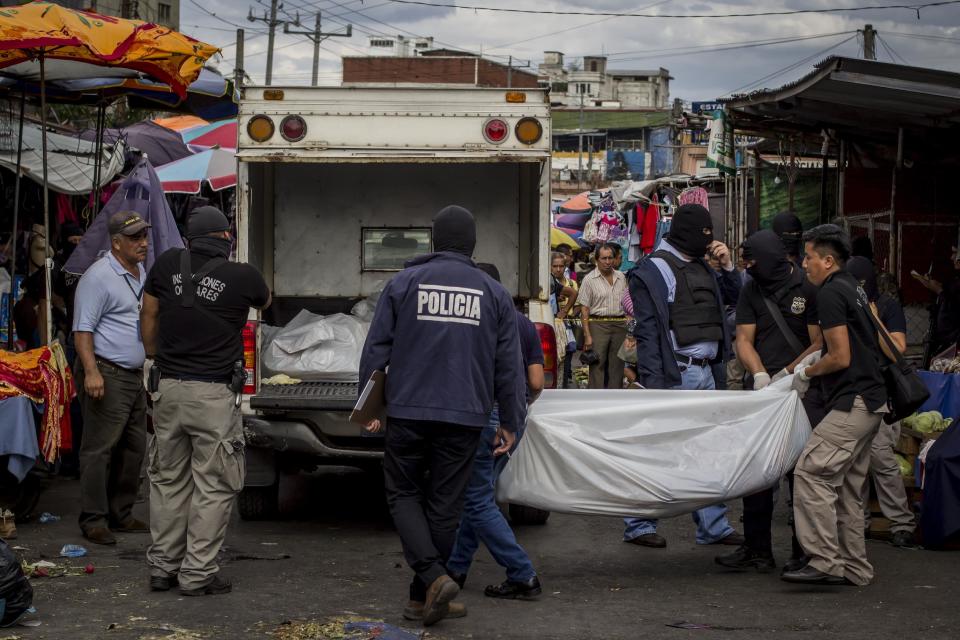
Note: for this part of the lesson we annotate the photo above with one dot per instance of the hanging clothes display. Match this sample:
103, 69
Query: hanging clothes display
647, 224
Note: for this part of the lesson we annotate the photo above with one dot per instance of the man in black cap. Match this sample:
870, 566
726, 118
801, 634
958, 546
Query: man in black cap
446, 334
776, 329
678, 305
109, 372
194, 310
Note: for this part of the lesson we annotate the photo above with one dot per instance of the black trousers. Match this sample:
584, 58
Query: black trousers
427, 467
758, 508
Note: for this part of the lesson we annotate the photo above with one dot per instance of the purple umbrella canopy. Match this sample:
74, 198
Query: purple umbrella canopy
139, 192
159, 143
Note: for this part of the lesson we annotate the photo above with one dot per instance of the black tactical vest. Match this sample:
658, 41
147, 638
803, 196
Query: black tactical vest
695, 314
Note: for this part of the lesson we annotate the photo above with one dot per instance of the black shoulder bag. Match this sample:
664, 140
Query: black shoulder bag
905, 389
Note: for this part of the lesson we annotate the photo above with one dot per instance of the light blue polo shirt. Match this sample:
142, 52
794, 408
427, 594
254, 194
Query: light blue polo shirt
108, 306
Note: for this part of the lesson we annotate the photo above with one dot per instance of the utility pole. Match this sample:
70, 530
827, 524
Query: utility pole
510, 73
238, 65
580, 141
869, 42
317, 36
272, 23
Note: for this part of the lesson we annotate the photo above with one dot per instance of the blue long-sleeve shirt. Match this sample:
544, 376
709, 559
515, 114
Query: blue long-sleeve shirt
448, 333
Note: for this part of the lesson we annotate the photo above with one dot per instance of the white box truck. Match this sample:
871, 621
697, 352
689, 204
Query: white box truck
336, 188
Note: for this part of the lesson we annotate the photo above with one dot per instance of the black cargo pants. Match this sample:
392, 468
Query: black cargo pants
427, 467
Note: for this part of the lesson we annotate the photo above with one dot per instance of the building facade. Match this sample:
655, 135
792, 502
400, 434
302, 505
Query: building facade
165, 12
397, 46
593, 85
440, 67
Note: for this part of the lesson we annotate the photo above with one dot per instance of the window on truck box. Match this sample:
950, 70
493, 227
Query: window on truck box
388, 248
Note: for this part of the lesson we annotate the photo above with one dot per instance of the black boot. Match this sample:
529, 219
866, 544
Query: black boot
515, 590
746, 558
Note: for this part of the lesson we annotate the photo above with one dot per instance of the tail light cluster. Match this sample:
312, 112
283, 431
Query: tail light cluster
527, 130
250, 357
293, 128
548, 341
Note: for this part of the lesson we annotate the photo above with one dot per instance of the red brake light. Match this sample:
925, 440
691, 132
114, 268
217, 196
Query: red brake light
548, 341
293, 128
250, 357
495, 130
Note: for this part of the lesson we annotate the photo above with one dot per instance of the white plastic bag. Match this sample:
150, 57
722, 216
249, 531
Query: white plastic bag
650, 453
313, 347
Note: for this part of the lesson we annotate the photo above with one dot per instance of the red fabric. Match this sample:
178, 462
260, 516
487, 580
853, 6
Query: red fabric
647, 218
65, 210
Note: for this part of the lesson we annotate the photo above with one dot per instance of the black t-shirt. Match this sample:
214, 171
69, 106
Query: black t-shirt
797, 304
531, 351
203, 342
840, 301
891, 314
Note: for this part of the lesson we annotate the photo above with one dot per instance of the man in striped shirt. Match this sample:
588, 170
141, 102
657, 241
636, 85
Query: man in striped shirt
604, 322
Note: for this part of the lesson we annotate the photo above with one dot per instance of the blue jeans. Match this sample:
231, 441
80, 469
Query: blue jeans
712, 523
482, 520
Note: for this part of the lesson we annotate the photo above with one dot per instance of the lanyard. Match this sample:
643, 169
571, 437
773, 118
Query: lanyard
138, 296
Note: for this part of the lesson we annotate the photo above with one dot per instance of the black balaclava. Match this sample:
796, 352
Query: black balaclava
862, 269
789, 229
454, 230
204, 221
691, 230
862, 247
773, 268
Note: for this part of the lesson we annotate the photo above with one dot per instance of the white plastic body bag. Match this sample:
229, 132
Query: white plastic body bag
651, 453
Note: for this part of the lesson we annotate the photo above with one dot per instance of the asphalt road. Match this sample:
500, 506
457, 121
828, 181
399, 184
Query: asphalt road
335, 554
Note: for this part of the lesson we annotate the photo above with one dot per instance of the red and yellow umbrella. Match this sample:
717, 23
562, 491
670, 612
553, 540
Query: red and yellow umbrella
73, 38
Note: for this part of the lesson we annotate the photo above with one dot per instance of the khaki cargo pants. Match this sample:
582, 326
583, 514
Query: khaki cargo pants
196, 469
828, 493
891, 493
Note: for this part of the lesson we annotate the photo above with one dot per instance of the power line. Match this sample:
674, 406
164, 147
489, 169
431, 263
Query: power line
687, 51
921, 36
893, 52
221, 19
786, 12
791, 67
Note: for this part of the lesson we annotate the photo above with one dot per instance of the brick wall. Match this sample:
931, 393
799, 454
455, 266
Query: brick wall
454, 70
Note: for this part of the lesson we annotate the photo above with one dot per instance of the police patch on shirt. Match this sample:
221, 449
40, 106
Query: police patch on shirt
799, 305
439, 303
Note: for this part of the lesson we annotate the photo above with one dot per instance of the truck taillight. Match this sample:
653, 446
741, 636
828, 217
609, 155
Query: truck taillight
548, 341
250, 357
495, 130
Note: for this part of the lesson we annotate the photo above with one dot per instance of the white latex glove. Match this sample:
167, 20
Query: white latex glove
760, 380
813, 358
780, 375
801, 382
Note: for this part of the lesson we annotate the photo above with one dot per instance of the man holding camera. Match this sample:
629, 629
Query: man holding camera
195, 306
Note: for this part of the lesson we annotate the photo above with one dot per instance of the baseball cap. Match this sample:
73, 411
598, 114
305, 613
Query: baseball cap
128, 223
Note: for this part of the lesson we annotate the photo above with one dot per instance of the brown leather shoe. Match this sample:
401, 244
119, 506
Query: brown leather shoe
734, 539
99, 535
414, 610
439, 594
132, 525
653, 540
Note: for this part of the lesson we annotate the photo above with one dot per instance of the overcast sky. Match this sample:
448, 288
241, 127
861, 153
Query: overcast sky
630, 43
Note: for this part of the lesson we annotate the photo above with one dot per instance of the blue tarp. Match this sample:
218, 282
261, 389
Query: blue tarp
140, 192
944, 393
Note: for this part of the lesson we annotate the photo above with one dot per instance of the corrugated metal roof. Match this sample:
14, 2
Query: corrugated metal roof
862, 97
608, 119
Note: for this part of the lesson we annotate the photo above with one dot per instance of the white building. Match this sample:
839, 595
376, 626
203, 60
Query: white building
398, 46
598, 86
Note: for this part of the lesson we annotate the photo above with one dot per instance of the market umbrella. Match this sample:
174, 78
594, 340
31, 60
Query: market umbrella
558, 237
577, 204
43, 41
180, 123
221, 134
140, 192
161, 144
216, 167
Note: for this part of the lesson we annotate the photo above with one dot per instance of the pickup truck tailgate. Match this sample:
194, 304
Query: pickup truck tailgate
317, 396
